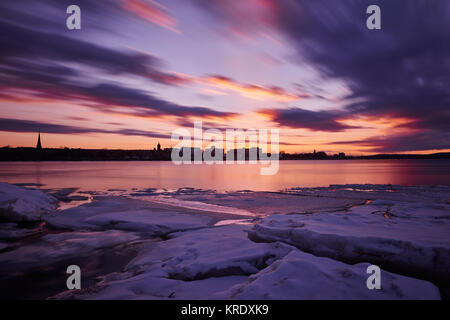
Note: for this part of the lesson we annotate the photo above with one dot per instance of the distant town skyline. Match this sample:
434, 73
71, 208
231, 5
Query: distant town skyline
137, 70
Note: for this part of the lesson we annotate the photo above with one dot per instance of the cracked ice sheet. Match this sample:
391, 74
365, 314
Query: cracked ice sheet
191, 265
121, 213
424, 194
410, 238
266, 203
300, 276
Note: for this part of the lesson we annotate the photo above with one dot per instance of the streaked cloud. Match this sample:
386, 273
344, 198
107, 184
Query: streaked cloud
35, 61
403, 142
401, 71
151, 11
18, 125
248, 90
327, 121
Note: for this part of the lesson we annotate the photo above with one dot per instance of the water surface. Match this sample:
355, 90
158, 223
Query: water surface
95, 176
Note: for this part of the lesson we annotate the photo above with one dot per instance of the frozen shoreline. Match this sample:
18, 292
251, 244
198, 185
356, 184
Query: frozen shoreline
304, 243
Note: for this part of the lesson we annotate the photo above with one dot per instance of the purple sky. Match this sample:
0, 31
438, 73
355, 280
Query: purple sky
140, 69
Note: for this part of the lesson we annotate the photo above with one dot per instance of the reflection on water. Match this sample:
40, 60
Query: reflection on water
95, 176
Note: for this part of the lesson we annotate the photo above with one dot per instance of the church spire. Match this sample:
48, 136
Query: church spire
39, 145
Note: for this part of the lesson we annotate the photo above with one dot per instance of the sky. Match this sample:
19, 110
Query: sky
140, 69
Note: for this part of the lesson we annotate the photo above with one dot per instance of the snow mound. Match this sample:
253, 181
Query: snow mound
18, 204
290, 279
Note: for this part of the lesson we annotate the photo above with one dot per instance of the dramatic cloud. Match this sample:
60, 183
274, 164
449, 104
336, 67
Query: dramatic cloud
35, 45
305, 119
399, 72
25, 64
47, 84
402, 70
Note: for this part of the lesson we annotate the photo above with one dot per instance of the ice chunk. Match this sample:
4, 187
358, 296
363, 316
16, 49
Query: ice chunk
410, 238
19, 204
212, 252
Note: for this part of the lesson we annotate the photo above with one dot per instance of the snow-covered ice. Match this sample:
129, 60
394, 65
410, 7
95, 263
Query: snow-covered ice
301, 275
127, 214
265, 203
405, 236
20, 204
302, 243
192, 264
220, 263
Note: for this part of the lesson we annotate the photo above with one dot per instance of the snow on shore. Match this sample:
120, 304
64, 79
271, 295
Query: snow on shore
305, 243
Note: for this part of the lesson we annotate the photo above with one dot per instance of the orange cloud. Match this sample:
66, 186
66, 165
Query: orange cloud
151, 11
251, 90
